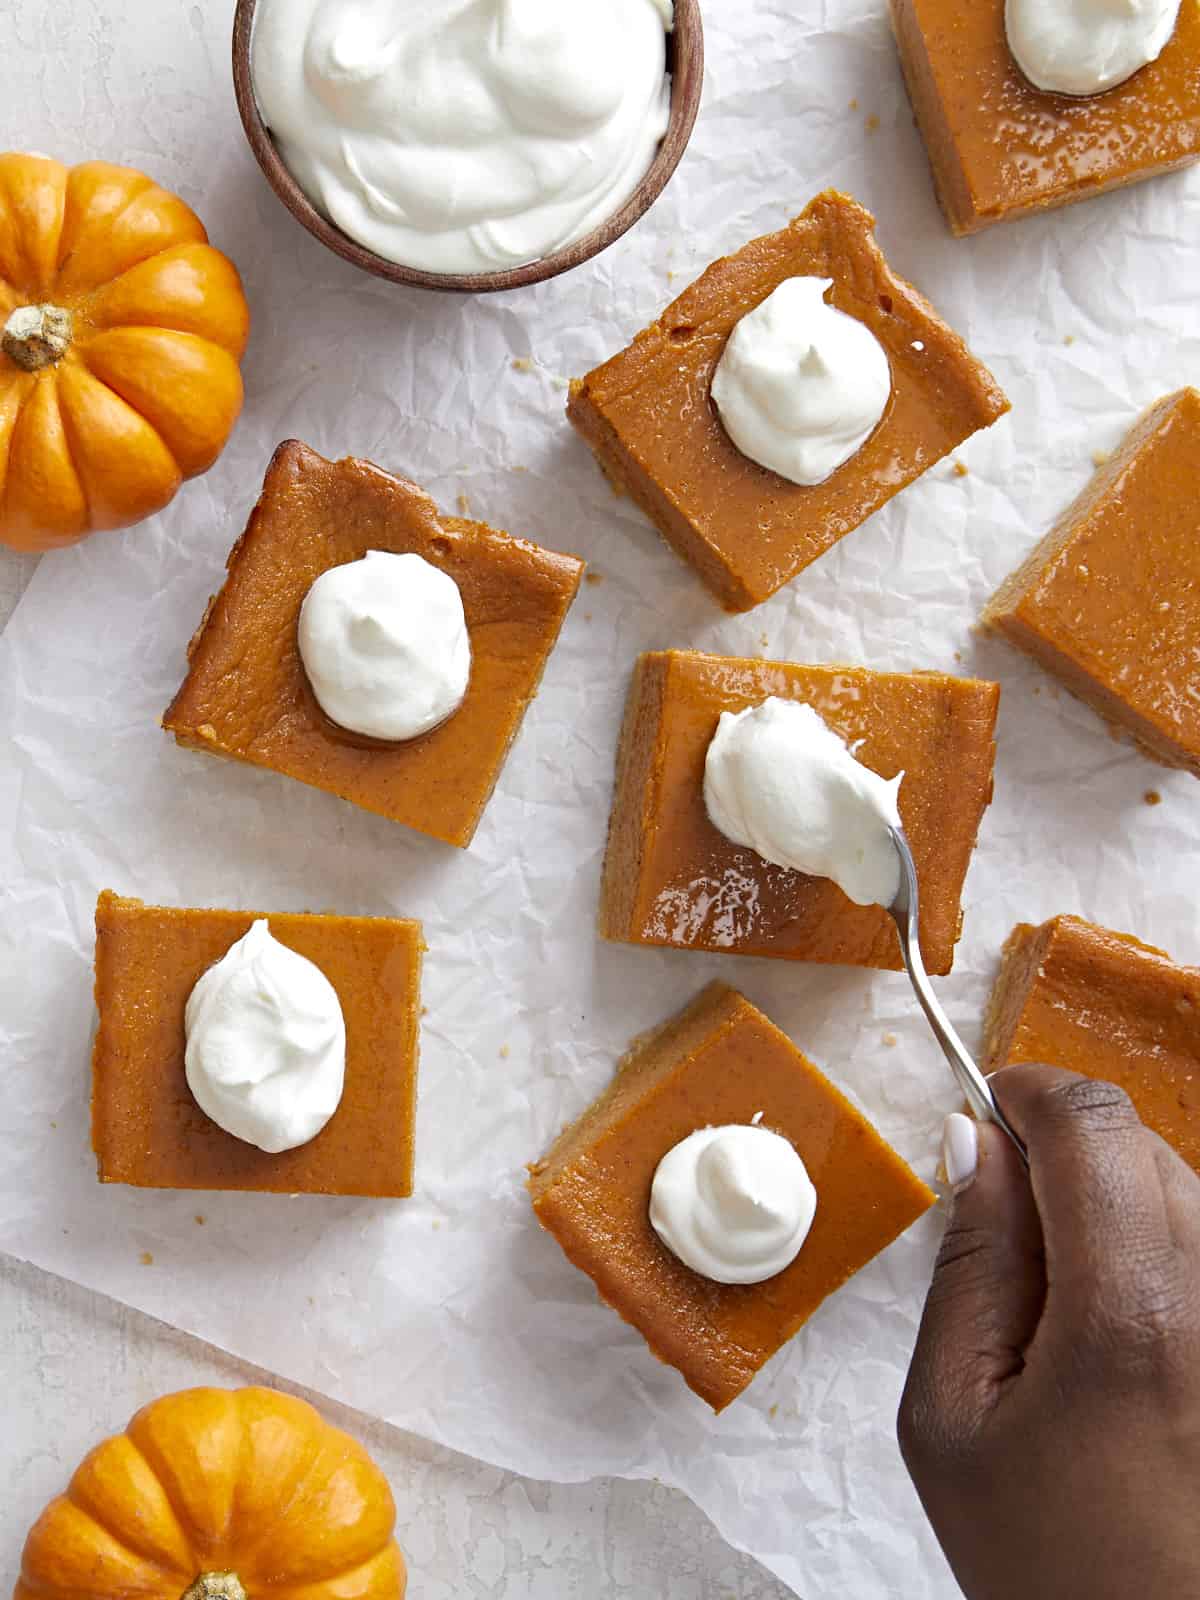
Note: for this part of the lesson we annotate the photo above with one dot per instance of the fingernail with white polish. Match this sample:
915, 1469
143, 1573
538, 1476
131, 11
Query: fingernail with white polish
960, 1151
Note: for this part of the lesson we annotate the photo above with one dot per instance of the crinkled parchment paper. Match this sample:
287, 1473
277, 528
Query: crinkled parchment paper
453, 1314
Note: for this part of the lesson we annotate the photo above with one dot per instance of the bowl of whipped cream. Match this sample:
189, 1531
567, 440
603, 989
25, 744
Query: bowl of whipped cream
468, 145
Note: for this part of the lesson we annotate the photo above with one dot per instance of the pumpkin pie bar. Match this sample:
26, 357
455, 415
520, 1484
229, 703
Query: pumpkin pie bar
719, 1062
1073, 995
246, 694
148, 1131
1001, 148
649, 416
671, 878
1109, 602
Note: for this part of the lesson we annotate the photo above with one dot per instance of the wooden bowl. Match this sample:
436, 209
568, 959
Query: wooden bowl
685, 62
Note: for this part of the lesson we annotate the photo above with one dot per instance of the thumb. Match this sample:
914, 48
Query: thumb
987, 1296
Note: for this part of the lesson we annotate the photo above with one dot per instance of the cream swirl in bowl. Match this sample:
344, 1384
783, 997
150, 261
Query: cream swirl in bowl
464, 136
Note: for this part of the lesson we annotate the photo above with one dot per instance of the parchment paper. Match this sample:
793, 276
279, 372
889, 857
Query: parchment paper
453, 1315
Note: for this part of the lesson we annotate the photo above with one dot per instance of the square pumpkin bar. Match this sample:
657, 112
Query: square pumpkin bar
1109, 602
247, 695
719, 1062
672, 878
147, 1130
1073, 995
649, 416
1001, 148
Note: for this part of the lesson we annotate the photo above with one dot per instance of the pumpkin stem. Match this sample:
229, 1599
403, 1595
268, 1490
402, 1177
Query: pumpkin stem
215, 1586
37, 336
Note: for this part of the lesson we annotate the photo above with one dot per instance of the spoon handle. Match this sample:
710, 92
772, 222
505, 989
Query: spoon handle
977, 1091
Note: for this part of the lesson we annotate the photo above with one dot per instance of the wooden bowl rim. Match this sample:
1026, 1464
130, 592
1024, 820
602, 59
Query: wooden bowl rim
685, 61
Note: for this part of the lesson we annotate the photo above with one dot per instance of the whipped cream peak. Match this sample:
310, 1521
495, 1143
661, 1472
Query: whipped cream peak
266, 1043
778, 780
384, 642
465, 137
734, 1203
801, 386
1086, 47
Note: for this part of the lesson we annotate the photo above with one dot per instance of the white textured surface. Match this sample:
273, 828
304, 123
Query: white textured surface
77, 1366
452, 1315
15, 573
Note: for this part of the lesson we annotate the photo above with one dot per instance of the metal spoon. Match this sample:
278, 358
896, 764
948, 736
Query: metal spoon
906, 910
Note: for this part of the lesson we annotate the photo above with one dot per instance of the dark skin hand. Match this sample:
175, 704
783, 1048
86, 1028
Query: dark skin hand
1051, 1421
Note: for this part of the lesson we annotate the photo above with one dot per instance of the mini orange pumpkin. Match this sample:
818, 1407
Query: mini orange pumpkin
218, 1494
121, 329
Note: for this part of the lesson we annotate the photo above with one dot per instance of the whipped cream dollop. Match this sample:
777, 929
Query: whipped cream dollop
735, 1204
801, 386
1083, 47
266, 1044
780, 781
464, 137
385, 645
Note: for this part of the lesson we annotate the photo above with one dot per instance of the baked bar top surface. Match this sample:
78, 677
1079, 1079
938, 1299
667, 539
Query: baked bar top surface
651, 405
1110, 600
147, 1129
720, 1062
1074, 995
1001, 146
672, 878
247, 695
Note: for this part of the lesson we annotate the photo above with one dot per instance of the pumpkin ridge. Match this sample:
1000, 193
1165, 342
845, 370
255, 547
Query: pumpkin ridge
26, 257
179, 1512
8, 426
71, 447
68, 426
37, 1577
174, 360
283, 1510
89, 1511
388, 1554
152, 327
63, 261
331, 1450
38, 415
221, 282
